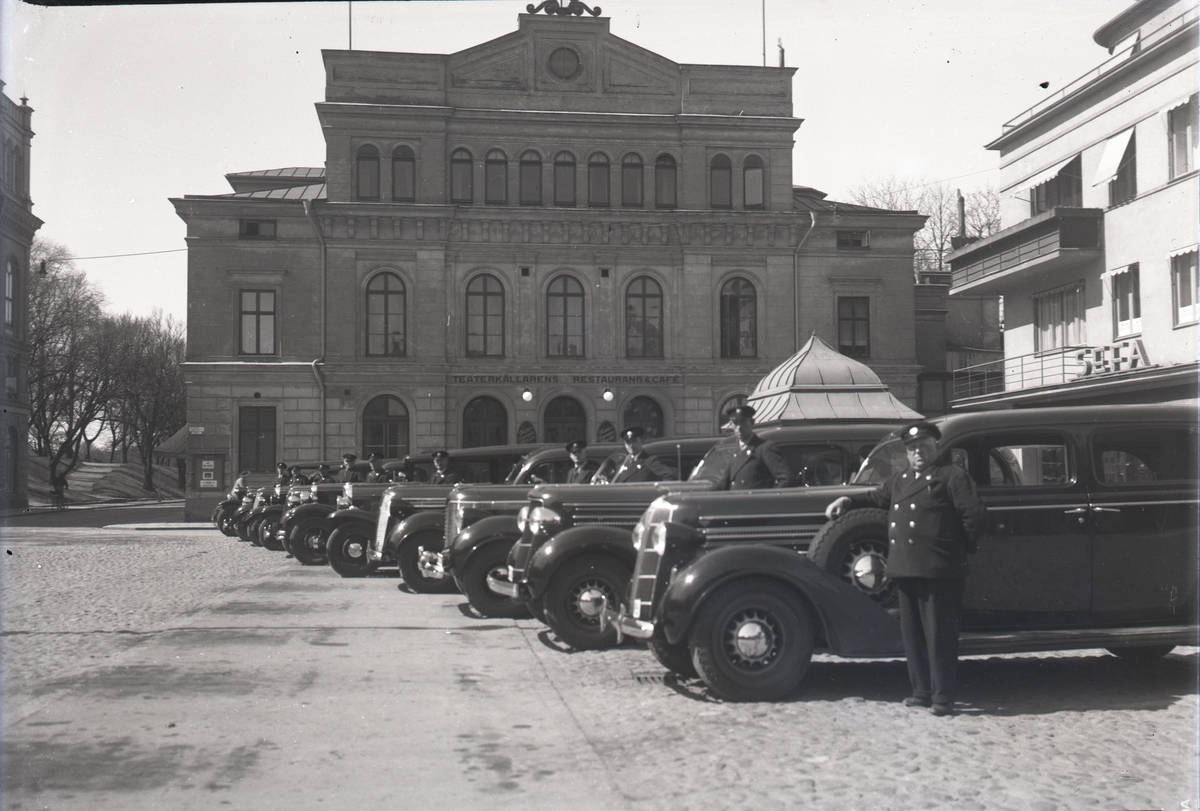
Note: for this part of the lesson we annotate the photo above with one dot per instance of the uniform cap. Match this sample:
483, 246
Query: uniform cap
920, 430
739, 414
441, 455
351, 456
633, 432
576, 446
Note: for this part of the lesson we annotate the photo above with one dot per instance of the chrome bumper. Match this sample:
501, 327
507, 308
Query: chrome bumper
503, 586
624, 624
430, 564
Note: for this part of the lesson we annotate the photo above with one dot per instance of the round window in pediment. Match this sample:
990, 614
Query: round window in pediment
565, 64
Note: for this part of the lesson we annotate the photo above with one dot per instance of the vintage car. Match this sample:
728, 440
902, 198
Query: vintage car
481, 522
301, 529
576, 547
262, 521
1091, 543
351, 531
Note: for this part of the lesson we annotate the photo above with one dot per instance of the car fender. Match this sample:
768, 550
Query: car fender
484, 532
850, 623
415, 524
571, 543
339, 518
303, 512
274, 509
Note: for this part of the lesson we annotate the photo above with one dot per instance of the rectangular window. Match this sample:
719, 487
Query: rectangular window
461, 188
256, 229
1182, 135
404, 181
256, 438
854, 326
598, 175
1127, 304
1184, 288
754, 187
1123, 187
257, 322
564, 184
1134, 455
854, 239
631, 185
1027, 465
531, 183
1064, 189
1059, 319
496, 182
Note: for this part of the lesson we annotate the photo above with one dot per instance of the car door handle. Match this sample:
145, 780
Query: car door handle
1076, 511
1106, 509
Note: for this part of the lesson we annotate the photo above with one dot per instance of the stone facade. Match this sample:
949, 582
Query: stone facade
17, 227
554, 214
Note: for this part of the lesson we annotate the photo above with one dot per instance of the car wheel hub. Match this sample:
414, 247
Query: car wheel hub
354, 549
589, 602
752, 639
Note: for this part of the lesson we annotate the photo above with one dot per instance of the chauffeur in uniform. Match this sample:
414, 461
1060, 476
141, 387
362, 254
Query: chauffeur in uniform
347, 473
442, 474
579, 474
377, 474
934, 521
637, 465
757, 463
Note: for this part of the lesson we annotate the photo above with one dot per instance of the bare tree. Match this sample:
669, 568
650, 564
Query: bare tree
151, 395
939, 203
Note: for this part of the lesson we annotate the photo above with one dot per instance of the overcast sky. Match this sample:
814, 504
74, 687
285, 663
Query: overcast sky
138, 104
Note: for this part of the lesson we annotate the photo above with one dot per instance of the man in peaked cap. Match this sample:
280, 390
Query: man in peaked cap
757, 464
347, 473
637, 465
442, 474
935, 518
579, 474
377, 474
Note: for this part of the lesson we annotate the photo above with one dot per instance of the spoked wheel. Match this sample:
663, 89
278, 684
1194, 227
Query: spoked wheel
306, 542
576, 595
752, 641
347, 550
493, 558
266, 534
854, 547
408, 560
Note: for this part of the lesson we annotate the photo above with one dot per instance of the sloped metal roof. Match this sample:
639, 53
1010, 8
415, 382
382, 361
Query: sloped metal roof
806, 198
313, 192
820, 383
288, 171
175, 444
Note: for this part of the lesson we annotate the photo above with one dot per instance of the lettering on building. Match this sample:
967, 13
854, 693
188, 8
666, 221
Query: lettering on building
1120, 357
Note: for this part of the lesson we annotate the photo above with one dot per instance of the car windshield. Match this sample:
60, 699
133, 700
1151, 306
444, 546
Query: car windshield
887, 458
714, 463
520, 470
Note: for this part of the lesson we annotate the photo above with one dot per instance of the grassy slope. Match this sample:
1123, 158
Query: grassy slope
123, 483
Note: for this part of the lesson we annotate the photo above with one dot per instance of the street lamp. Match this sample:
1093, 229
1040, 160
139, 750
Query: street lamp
527, 396
608, 395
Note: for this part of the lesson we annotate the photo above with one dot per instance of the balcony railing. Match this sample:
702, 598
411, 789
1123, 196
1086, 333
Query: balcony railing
1050, 368
1059, 236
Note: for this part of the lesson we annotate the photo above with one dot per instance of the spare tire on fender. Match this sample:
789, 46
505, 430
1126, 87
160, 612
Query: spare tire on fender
854, 547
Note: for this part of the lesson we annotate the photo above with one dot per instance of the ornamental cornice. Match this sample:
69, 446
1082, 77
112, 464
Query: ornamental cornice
17, 221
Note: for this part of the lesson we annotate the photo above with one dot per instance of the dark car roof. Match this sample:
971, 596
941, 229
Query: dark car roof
1179, 411
492, 451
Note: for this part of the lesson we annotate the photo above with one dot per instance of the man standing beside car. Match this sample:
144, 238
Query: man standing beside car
934, 521
757, 464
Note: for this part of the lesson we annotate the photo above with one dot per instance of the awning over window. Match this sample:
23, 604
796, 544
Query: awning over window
1041, 177
1181, 251
1118, 271
1110, 161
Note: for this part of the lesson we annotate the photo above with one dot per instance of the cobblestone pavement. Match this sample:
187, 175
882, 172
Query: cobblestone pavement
1056, 731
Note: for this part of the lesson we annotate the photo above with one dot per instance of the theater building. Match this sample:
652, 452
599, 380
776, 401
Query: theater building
551, 235
17, 227
1097, 264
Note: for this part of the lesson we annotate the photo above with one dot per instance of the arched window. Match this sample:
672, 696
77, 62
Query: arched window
739, 320
664, 182
598, 181
485, 422
564, 314
531, 179
720, 180
366, 173
644, 319
644, 411
385, 427
495, 178
631, 181
10, 294
462, 187
753, 186
526, 433
564, 420
485, 317
564, 179
386, 316
404, 175
730, 402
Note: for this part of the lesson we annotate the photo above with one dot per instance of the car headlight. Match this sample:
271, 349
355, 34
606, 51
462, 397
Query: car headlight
658, 538
523, 519
543, 521
343, 503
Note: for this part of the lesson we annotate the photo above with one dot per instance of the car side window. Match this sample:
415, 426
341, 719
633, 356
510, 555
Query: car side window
1032, 464
960, 457
1131, 456
815, 465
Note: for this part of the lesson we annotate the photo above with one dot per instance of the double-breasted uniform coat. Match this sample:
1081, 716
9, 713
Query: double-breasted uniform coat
756, 465
643, 467
578, 475
449, 477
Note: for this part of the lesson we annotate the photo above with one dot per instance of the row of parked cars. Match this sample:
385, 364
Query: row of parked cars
1092, 542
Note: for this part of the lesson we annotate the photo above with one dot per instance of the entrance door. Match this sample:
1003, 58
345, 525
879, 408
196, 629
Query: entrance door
485, 422
564, 420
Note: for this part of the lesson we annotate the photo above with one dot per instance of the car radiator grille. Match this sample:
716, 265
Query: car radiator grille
790, 534
427, 504
645, 578
609, 515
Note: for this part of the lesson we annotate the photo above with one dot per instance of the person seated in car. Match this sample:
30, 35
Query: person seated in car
377, 474
297, 476
282, 474
757, 464
442, 474
347, 473
637, 465
579, 474
322, 474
